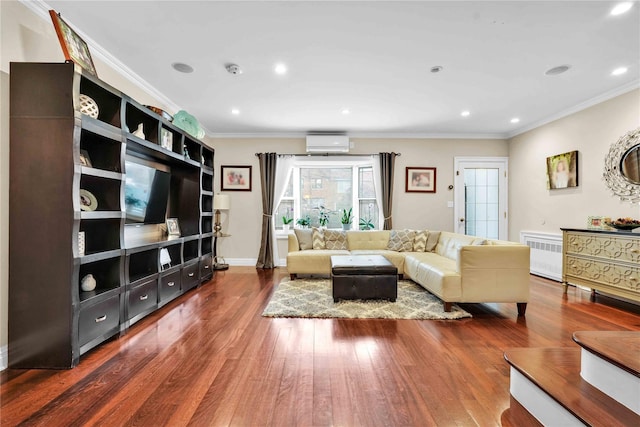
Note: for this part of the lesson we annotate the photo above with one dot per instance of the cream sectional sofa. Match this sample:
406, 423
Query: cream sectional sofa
454, 267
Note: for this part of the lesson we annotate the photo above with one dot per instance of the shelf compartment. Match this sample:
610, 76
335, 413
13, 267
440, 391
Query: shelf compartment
104, 153
109, 103
207, 182
171, 140
101, 235
175, 253
206, 246
207, 157
207, 203
135, 116
190, 250
108, 275
206, 225
105, 190
192, 147
142, 264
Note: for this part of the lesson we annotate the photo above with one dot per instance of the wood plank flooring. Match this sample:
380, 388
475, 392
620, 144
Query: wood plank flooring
210, 359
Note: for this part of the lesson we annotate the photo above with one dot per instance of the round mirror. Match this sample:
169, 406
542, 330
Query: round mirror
630, 164
621, 167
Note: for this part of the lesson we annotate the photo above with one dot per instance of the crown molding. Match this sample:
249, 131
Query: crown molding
367, 135
634, 84
41, 9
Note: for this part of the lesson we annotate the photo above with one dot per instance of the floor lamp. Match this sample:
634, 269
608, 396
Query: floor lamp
221, 202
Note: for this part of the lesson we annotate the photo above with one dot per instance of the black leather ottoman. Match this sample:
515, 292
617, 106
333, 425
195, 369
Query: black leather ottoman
363, 277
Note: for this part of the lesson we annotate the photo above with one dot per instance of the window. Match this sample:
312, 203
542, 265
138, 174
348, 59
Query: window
329, 187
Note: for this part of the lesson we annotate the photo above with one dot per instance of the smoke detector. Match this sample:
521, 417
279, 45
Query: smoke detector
233, 69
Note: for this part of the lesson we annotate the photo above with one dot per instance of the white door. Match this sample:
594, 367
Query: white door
480, 195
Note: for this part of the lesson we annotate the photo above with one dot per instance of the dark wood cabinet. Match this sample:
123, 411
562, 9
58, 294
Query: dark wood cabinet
57, 154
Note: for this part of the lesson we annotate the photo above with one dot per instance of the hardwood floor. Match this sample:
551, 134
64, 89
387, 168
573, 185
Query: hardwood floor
210, 359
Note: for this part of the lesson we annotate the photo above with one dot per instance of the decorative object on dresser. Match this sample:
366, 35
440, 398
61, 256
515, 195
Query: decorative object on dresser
624, 224
598, 222
562, 170
235, 178
173, 228
420, 180
622, 167
607, 261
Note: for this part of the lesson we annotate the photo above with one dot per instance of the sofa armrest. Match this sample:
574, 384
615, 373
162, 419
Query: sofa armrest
292, 240
493, 257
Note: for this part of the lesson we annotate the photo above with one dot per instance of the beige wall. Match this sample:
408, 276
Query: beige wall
410, 210
591, 132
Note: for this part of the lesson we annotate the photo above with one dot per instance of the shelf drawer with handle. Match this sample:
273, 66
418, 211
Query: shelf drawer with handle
190, 276
101, 319
142, 298
170, 285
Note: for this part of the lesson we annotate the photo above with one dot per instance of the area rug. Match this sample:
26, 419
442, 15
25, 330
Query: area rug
313, 298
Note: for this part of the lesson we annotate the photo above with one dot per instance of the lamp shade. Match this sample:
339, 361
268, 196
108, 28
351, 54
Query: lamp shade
221, 202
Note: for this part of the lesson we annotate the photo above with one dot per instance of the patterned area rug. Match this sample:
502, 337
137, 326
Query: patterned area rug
313, 298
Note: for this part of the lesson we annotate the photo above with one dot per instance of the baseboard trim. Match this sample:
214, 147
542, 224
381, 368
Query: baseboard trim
241, 262
4, 357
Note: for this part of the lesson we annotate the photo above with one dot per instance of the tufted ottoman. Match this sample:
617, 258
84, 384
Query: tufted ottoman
363, 277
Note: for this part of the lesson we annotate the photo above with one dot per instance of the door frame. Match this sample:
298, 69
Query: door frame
460, 163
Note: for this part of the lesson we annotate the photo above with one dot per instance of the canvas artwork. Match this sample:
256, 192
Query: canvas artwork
562, 170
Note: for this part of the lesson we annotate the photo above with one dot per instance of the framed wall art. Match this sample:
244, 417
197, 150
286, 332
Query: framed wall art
235, 178
562, 170
420, 180
74, 48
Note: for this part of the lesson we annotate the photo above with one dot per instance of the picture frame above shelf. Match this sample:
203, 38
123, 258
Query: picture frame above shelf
75, 49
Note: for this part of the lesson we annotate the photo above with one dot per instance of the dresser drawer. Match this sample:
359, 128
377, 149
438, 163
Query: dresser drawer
190, 276
205, 268
99, 319
607, 273
169, 285
604, 246
142, 298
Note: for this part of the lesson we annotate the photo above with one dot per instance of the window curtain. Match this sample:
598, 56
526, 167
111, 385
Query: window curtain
284, 165
387, 162
268, 163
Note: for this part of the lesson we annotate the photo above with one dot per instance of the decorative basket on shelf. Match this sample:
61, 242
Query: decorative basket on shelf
88, 106
624, 224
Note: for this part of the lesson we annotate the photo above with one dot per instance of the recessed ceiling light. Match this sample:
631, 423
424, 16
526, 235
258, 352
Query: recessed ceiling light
280, 69
436, 69
182, 67
233, 69
515, 120
619, 71
557, 70
621, 8
346, 111
235, 111
465, 113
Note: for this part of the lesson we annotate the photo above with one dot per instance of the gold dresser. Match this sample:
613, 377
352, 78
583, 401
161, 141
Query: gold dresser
607, 261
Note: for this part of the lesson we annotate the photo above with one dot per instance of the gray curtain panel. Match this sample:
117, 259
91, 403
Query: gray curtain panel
268, 182
387, 162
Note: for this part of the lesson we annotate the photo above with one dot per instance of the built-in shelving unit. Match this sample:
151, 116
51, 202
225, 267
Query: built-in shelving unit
54, 242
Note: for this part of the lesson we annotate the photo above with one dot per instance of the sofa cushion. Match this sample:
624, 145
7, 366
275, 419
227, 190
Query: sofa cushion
449, 244
317, 239
420, 240
304, 238
401, 240
432, 241
335, 239
368, 240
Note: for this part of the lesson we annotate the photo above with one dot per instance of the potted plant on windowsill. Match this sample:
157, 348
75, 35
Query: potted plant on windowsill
346, 219
323, 217
286, 221
304, 222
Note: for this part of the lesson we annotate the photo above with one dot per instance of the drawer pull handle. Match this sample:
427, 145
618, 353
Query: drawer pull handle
171, 284
101, 318
191, 274
633, 279
206, 267
143, 297
635, 251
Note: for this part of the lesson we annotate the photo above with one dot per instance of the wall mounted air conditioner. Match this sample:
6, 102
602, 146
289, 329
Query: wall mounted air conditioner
327, 144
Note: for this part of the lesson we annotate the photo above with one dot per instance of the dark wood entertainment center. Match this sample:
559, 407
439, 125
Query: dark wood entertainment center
52, 322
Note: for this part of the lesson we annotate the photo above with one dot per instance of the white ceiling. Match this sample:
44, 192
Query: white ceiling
373, 58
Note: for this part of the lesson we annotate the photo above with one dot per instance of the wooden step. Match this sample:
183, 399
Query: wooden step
610, 361
547, 382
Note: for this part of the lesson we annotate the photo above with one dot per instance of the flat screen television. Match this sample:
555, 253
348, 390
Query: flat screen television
146, 193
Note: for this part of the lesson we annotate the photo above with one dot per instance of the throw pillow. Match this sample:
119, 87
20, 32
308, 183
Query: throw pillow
420, 241
304, 238
317, 239
334, 239
401, 240
432, 241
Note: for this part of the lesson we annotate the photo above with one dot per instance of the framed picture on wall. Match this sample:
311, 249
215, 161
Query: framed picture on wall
562, 170
74, 48
420, 180
235, 178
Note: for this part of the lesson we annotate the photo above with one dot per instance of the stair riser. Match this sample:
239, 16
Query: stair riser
611, 380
